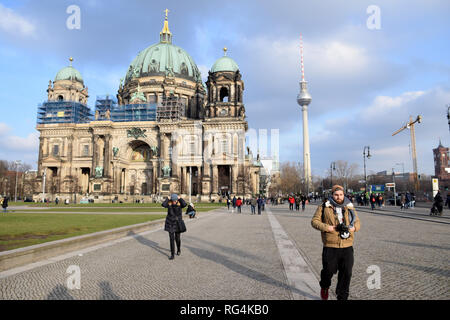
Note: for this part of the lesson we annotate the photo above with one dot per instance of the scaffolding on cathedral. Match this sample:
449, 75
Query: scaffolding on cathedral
171, 108
63, 112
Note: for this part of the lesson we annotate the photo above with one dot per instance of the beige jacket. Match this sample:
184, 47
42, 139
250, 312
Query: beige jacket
332, 239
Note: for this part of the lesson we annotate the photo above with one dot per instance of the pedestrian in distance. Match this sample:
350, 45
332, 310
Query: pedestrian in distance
234, 204
447, 202
338, 221
260, 204
174, 223
372, 201
303, 203
297, 202
407, 200
253, 203
190, 211
239, 204
5, 204
228, 203
437, 204
402, 201
291, 202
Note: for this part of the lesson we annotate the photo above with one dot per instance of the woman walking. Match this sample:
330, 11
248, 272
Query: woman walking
174, 222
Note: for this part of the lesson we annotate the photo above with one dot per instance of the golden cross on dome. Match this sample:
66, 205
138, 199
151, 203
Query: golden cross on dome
167, 12
70, 59
225, 51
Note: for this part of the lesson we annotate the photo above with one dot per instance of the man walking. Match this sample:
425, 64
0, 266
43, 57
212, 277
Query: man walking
253, 205
337, 220
260, 204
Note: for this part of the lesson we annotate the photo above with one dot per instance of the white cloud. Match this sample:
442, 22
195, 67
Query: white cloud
28, 144
14, 24
384, 105
4, 129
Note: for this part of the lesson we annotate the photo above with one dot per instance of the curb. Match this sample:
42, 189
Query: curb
26, 255
22, 256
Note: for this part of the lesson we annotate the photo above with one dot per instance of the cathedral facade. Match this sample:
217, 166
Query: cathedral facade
165, 132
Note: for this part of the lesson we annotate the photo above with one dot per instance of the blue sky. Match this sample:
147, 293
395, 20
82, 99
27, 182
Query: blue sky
364, 83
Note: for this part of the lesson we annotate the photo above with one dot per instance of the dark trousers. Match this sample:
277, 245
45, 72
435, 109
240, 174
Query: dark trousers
259, 209
337, 260
174, 237
253, 209
291, 206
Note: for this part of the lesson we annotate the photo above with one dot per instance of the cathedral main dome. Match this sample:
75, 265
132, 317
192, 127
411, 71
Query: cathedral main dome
164, 58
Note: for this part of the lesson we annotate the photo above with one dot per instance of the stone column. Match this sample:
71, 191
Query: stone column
215, 179
107, 158
94, 154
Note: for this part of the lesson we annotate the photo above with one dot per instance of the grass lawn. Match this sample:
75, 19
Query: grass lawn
23, 229
118, 205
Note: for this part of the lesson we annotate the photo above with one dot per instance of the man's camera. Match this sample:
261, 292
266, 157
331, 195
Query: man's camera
343, 230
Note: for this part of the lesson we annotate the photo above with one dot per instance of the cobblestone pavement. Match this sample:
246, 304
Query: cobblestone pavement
234, 256
413, 255
223, 256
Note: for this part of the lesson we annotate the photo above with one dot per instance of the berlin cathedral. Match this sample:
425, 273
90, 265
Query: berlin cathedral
164, 132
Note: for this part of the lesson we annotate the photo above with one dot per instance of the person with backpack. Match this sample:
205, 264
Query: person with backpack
337, 220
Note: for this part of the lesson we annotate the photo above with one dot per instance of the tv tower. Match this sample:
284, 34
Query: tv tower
304, 99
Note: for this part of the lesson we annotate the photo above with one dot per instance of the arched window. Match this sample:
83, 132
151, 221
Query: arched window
60, 98
224, 94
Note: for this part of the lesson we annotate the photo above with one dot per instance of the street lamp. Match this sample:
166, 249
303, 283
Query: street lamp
17, 162
364, 157
393, 180
44, 174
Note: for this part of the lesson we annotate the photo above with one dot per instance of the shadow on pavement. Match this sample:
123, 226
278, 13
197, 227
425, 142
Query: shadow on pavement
149, 243
433, 270
107, 292
225, 249
236, 267
421, 245
60, 292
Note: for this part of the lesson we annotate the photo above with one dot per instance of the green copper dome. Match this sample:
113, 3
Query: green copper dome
224, 64
69, 73
163, 58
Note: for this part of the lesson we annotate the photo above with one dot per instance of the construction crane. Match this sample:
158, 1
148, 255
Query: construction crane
410, 125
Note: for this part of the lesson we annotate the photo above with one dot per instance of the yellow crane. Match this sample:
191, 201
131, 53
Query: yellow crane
410, 125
